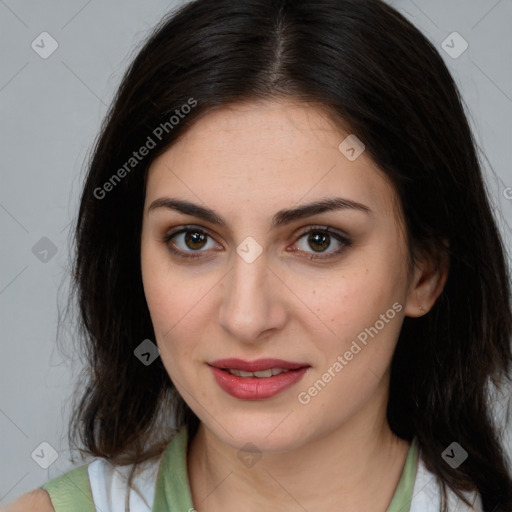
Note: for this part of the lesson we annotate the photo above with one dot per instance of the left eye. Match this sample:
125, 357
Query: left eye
195, 240
320, 238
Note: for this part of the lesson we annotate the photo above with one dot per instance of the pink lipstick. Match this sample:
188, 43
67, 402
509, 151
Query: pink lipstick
256, 380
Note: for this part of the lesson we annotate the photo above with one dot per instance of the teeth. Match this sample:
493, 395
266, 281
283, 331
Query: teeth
260, 375
241, 373
264, 373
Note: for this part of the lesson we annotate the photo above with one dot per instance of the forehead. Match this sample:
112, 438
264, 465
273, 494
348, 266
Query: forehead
264, 153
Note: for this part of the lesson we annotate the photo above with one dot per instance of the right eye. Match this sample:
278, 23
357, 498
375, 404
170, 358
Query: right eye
192, 240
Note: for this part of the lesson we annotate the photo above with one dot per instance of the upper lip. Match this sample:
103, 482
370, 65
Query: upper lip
257, 365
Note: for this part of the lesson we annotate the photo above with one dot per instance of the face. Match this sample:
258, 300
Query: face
230, 272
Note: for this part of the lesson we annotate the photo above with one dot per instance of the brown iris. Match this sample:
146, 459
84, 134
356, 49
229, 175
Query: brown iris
194, 237
318, 239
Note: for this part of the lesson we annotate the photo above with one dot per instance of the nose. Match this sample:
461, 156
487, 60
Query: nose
253, 305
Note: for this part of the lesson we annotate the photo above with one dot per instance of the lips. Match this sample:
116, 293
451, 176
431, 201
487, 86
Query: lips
256, 366
256, 380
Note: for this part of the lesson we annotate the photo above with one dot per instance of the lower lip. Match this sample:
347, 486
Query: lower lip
254, 388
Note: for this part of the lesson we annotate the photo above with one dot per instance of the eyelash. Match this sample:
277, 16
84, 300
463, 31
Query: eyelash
346, 242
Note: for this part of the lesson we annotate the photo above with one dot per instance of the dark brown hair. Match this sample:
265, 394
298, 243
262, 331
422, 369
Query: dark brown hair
374, 72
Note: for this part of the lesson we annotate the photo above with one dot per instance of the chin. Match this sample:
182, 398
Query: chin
268, 435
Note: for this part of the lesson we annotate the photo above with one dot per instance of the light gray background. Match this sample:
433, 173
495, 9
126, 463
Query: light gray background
51, 111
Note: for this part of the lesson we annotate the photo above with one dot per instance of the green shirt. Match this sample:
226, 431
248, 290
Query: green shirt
71, 492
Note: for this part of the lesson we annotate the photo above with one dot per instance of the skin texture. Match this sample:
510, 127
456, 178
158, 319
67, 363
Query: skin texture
37, 500
247, 162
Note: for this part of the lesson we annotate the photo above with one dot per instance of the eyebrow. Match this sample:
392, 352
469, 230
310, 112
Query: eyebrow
282, 217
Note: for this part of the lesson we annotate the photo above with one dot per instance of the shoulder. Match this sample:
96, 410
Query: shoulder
427, 494
69, 491
101, 485
111, 489
37, 500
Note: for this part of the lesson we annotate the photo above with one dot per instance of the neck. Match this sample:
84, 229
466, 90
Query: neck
356, 465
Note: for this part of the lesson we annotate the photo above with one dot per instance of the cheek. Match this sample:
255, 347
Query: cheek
178, 305
362, 305
161, 293
169, 294
357, 297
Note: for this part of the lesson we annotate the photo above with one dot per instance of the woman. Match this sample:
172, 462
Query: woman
285, 251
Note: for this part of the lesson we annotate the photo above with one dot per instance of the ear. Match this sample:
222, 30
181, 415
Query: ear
427, 283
